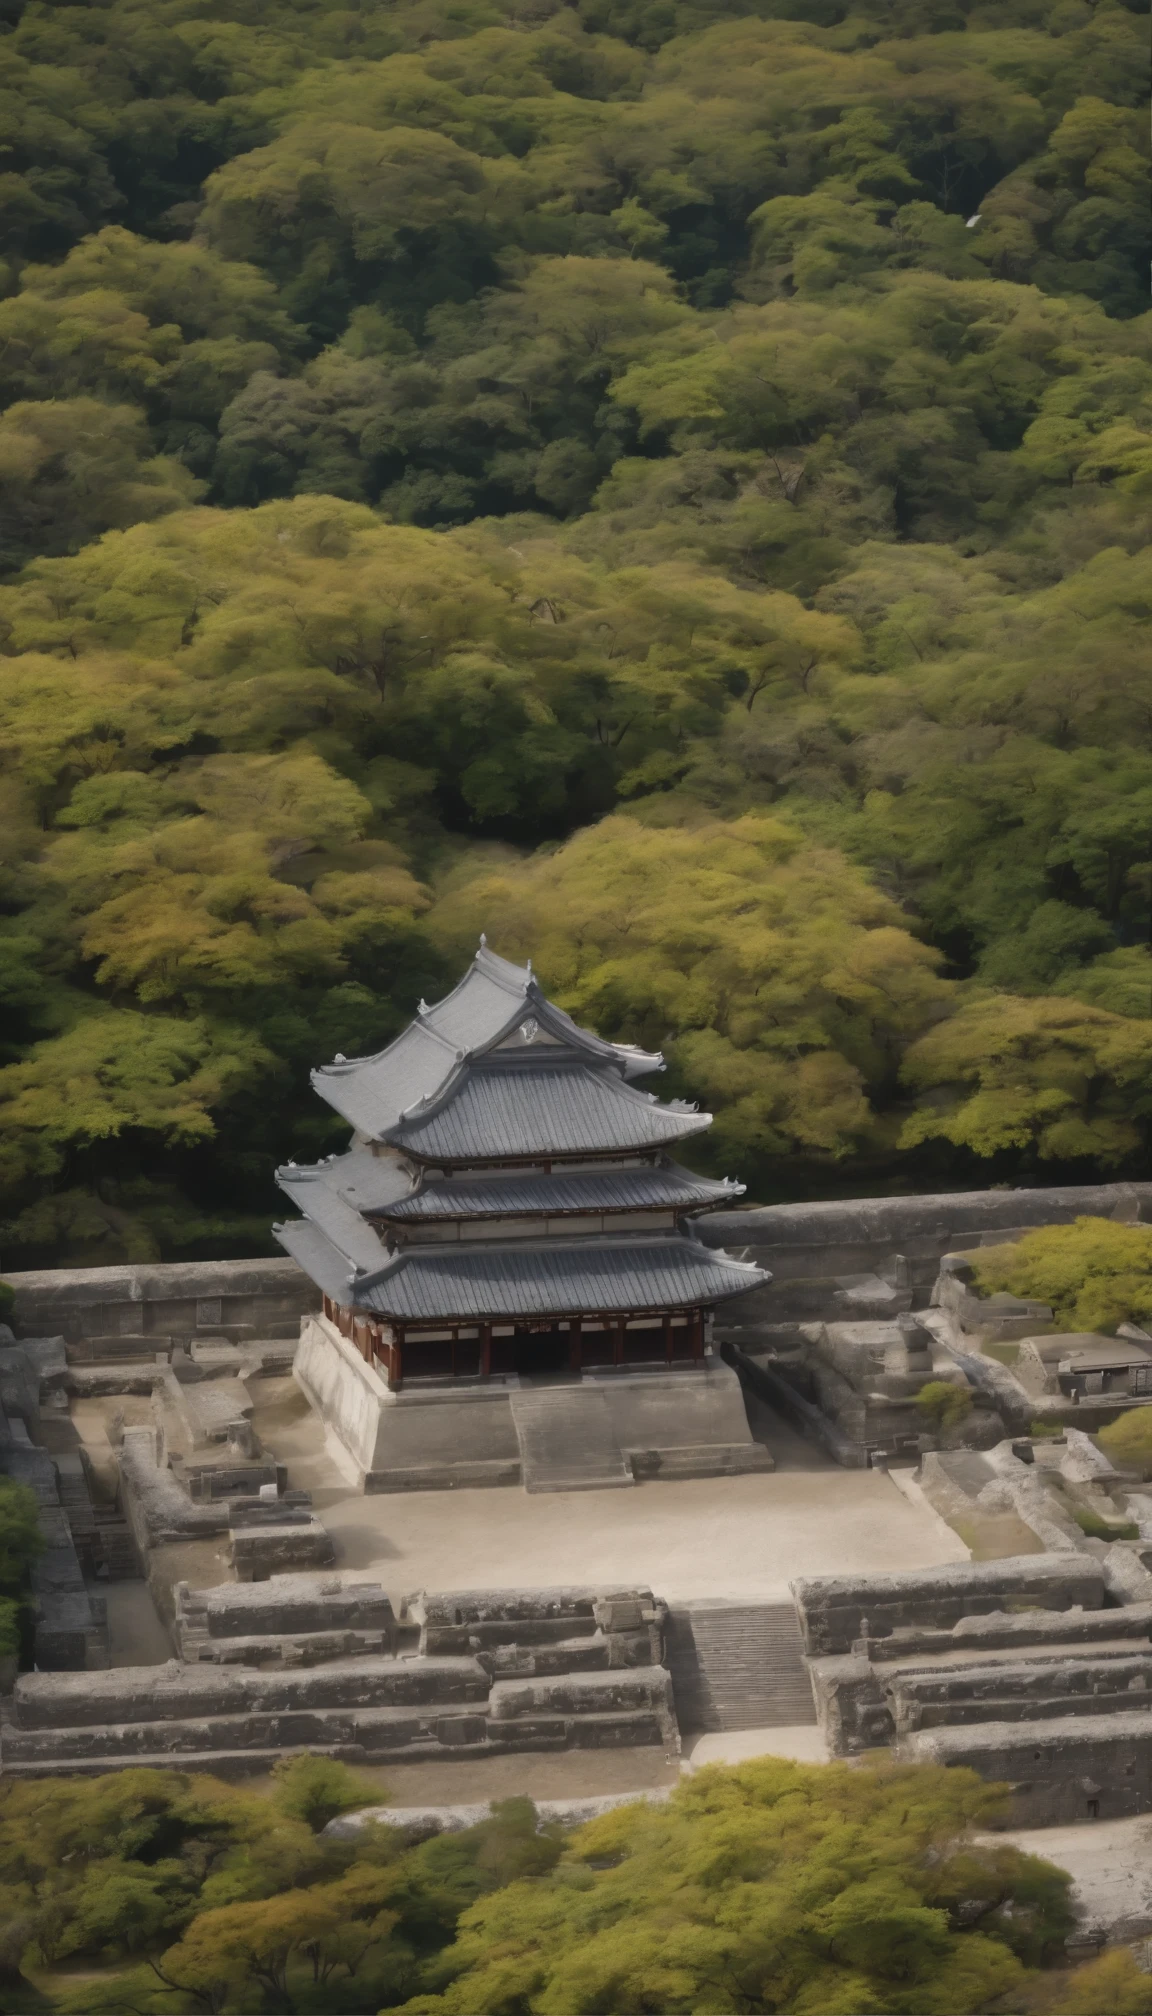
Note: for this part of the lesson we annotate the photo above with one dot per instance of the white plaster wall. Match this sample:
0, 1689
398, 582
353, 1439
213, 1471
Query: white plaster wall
349, 1396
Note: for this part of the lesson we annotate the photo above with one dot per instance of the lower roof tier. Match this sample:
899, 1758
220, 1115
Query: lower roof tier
518, 1283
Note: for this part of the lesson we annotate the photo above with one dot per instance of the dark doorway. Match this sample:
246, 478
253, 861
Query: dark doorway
542, 1353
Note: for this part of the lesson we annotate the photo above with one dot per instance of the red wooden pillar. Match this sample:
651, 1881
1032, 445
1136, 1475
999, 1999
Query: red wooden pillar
397, 1379
575, 1353
485, 1350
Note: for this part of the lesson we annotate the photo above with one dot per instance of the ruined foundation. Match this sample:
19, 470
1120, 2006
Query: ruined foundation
486, 1674
1005, 1666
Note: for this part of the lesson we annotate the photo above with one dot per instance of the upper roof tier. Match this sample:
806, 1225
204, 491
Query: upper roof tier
496, 1004
508, 1109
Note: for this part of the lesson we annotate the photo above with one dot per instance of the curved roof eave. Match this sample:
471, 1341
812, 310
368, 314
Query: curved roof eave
492, 999
504, 1283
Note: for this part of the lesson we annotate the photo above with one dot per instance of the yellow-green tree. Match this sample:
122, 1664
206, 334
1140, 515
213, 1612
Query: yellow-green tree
783, 984
769, 1886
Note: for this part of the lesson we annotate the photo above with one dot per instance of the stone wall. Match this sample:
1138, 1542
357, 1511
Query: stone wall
1075, 1768
272, 1672
1034, 1671
810, 1243
237, 1299
812, 1249
835, 1609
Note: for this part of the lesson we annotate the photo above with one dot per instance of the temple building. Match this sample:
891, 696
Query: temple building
508, 1213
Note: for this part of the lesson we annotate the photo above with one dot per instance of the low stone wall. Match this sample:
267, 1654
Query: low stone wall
237, 1299
796, 1242
1074, 1768
281, 1691
423, 1823
809, 1248
1036, 1671
293, 1619
834, 1609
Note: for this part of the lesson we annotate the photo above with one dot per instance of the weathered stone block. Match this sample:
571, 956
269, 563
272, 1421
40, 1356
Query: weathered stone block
833, 1610
286, 1603
260, 1551
1075, 1768
175, 1692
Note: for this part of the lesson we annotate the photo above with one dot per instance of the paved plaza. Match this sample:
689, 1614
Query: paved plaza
716, 1536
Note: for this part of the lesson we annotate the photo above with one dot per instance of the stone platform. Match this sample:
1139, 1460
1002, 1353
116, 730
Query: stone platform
581, 1433
1035, 1671
487, 1673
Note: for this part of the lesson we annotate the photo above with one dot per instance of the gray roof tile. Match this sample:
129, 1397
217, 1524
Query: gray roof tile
318, 1191
316, 1254
429, 1284
594, 1190
372, 1093
493, 1111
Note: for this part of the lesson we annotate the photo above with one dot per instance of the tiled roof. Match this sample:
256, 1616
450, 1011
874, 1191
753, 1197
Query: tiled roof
532, 1108
372, 1092
501, 1283
594, 1190
491, 1001
319, 1258
319, 1191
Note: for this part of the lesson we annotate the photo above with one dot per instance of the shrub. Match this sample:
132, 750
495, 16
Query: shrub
1094, 1274
1129, 1440
943, 1405
1098, 1528
316, 1789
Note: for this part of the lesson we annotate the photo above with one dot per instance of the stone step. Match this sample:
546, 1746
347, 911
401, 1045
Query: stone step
1019, 1691
738, 1666
116, 1546
567, 1442
375, 1730
174, 1692
286, 1604
297, 1648
228, 1749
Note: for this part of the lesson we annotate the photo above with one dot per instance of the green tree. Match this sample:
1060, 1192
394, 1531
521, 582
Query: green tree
73, 468
769, 1885
783, 983
1095, 1274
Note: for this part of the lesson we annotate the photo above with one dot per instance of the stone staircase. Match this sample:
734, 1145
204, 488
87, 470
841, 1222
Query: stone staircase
117, 1548
738, 1666
101, 1535
567, 1441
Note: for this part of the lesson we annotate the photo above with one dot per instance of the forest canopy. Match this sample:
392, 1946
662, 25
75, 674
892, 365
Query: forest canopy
664, 484
804, 1889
